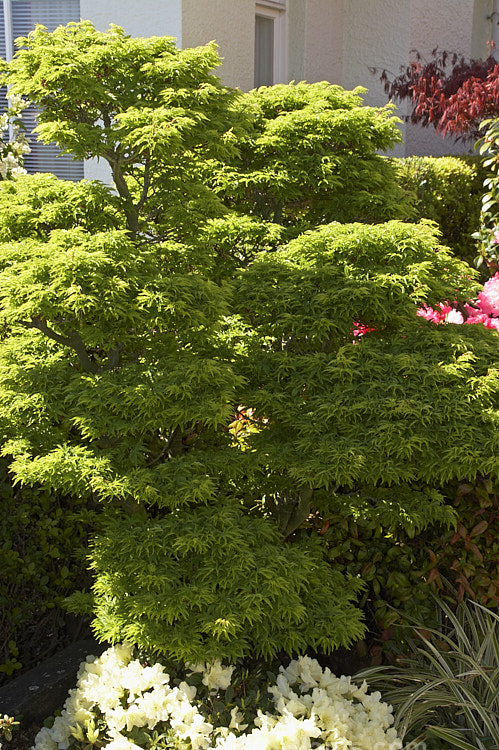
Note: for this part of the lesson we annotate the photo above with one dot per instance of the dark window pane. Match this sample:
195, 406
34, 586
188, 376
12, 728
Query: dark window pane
264, 51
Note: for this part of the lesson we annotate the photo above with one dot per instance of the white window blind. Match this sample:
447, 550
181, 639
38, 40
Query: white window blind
23, 15
3, 47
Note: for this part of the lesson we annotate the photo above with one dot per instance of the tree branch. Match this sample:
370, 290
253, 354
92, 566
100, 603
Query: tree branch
291, 512
113, 358
174, 443
278, 214
74, 341
115, 161
146, 185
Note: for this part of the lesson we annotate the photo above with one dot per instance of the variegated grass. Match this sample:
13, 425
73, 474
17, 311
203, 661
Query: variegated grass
448, 686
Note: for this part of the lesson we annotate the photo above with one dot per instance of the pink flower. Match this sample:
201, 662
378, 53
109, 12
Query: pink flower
436, 316
470, 310
429, 314
359, 329
479, 317
488, 299
484, 310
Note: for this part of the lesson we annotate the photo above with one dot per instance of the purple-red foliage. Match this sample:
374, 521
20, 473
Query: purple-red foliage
450, 93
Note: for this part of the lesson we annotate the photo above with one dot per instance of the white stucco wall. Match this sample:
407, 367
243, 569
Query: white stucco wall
231, 23
296, 27
376, 35
323, 47
144, 18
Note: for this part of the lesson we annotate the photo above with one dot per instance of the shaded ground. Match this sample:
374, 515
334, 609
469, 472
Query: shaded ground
23, 739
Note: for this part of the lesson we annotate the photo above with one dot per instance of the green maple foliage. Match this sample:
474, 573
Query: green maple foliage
310, 157
182, 349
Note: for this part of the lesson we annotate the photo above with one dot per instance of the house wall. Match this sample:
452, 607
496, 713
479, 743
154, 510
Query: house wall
231, 23
323, 42
296, 28
493, 6
145, 18
335, 40
376, 35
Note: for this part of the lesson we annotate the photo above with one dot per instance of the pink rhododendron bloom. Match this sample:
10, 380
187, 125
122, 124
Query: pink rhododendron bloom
436, 316
488, 299
470, 310
485, 310
479, 317
359, 329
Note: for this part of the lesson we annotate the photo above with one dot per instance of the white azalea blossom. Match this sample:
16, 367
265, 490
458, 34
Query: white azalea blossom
116, 695
217, 677
236, 720
44, 740
120, 742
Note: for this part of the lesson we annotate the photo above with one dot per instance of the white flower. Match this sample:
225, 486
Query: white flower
44, 740
309, 704
122, 743
61, 731
236, 718
216, 676
135, 717
116, 720
188, 692
200, 667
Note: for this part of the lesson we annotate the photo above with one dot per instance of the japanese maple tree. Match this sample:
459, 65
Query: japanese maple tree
448, 92
181, 348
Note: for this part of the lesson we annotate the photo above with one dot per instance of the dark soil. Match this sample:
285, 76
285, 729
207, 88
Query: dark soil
23, 738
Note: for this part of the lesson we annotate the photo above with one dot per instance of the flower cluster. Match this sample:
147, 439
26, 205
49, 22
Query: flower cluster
16, 147
116, 694
314, 704
215, 676
485, 310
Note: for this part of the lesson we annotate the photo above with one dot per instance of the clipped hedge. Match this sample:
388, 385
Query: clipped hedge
42, 548
448, 190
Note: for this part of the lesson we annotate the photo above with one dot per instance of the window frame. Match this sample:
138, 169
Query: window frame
276, 11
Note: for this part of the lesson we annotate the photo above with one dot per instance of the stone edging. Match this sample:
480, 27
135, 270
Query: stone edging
41, 691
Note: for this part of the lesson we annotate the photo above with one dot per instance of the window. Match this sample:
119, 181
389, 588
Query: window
270, 43
19, 17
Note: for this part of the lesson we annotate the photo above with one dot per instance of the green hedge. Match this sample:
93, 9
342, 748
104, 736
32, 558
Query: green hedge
402, 566
42, 550
448, 190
